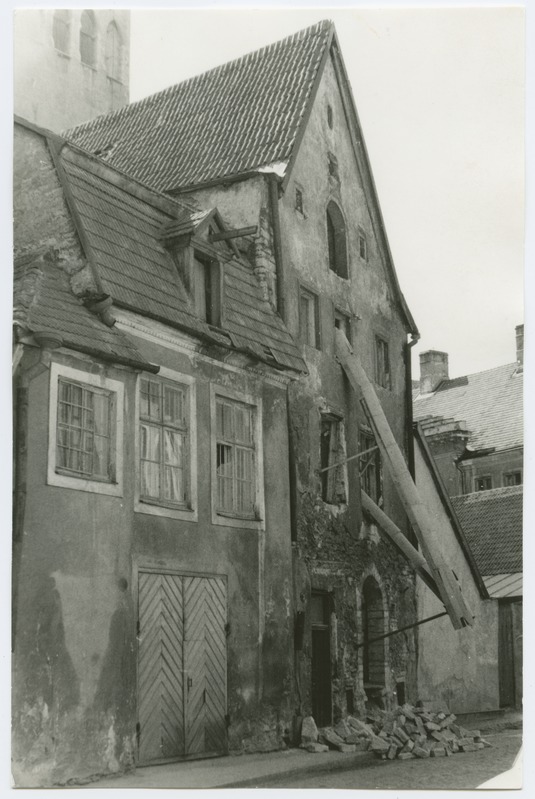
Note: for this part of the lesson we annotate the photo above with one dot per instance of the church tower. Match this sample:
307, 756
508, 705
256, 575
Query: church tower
70, 65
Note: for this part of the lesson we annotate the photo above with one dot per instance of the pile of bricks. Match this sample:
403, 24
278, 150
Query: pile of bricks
403, 733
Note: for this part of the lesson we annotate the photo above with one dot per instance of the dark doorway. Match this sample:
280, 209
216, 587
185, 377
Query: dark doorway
321, 659
510, 653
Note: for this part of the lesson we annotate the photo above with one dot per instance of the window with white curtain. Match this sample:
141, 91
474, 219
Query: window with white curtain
163, 442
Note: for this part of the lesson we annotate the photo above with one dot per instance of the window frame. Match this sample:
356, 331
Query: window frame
91, 36
342, 316
362, 239
213, 270
62, 479
306, 293
383, 369
509, 473
377, 496
115, 58
482, 477
62, 17
336, 238
186, 511
338, 451
227, 518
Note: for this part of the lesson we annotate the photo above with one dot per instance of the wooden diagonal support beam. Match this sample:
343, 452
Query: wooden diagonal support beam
448, 585
234, 234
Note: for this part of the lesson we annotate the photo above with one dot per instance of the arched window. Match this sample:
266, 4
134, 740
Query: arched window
113, 52
336, 240
373, 623
88, 38
61, 29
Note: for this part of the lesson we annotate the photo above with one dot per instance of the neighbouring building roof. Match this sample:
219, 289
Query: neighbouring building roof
44, 301
236, 118
492, 523
502, 586
490, 403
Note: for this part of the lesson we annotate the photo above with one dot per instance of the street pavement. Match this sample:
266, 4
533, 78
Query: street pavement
295, 768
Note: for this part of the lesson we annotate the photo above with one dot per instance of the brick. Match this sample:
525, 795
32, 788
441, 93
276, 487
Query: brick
309, 731
392, 752
401, 734
346, 747
342, 729
419, 751
439, 751
448, 721
405, 756
485, 743
314, 747
378, 745
359, 726
430, 726
408, 711
437, 735
409, 746
328, 736
467, 747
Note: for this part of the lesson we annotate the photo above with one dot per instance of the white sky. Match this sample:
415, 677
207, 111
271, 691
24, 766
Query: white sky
440, 94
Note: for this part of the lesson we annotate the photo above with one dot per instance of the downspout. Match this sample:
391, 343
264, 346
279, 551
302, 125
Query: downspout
408, 400
273, 187
409, 416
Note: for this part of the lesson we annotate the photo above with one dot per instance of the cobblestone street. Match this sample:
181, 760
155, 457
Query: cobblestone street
462, 771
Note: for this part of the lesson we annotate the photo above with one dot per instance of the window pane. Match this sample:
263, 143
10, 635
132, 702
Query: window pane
224, 420
173, 448
244, 481
224, 477
173, 402
243, 431
150, 480
173, 484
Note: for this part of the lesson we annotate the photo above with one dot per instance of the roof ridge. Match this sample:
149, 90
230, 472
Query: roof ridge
482, 372
153, 98
490, 492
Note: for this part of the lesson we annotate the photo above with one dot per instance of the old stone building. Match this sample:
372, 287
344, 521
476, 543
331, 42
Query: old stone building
292, 162
70, 64
233, 224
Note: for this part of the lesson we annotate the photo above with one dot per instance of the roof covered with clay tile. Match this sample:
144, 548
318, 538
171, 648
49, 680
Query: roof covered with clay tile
490, 403
492, 523
43, 301
231, 120
123, 230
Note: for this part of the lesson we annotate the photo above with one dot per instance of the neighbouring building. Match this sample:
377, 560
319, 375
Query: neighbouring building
152, 566
202, 459
473, 427
70, 64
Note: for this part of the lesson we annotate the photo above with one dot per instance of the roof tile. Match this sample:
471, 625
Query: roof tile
231, 120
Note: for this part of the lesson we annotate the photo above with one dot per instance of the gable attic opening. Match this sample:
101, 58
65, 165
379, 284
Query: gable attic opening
336, 240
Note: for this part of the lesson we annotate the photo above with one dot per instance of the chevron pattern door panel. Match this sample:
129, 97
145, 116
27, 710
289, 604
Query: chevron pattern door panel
205, 664
160, 675
181, 667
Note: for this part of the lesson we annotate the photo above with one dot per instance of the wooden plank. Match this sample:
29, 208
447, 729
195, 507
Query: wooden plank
234, 234
205, 664
160, 687
448, 586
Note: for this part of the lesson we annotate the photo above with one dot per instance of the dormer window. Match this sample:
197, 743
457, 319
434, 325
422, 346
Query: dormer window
207, 289
336, 240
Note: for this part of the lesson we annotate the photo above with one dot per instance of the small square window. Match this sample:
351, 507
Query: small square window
309, 331
382, 363
370, 467
342, 321
513, 478
483, 483
363, 246
299, 200
332, 460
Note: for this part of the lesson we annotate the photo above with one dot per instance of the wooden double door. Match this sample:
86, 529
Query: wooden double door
182, 666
